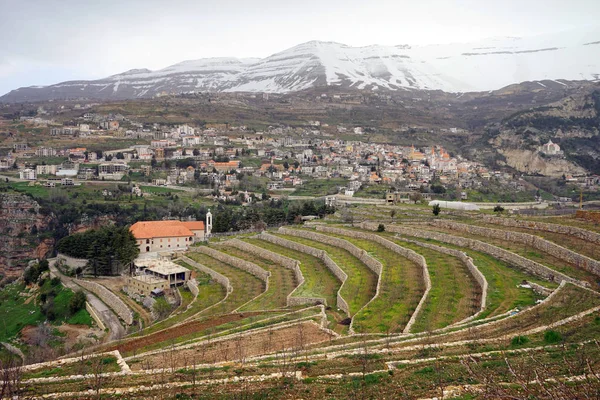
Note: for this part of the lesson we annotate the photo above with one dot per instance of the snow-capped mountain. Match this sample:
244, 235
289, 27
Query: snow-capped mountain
480, 66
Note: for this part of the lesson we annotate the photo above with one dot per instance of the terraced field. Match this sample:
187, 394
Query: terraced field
279, 341
319, 281
281, 281
246, 285
361, 285
528, 252
454, 293
402, 287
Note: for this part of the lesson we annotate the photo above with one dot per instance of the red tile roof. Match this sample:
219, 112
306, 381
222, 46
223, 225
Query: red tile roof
153, 229
194, 225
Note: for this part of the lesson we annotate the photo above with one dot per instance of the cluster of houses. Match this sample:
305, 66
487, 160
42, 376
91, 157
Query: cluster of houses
289, 157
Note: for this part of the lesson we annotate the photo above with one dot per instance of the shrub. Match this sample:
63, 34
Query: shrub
519, 340
498, 209
381, 228
77, 302
436, 209
552, 336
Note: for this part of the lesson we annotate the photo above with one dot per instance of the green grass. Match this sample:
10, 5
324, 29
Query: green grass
454, 294
245, 285
320, 187
16, 314
361, 284
503, 291
570, 242
81, 317
531, 253
318, 280
401, 290
281, 281
373, 191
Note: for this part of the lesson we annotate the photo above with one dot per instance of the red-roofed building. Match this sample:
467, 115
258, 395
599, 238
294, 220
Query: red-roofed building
154, 236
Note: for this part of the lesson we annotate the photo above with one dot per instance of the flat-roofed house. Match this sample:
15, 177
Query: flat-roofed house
145, 284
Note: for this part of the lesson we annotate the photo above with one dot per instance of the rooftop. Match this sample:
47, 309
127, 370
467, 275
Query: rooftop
153, 229
161, 267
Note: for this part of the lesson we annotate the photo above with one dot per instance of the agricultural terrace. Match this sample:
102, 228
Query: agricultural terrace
525, 251
281, 281
245, 285
279, 341
361, 284
402, 287
318, 280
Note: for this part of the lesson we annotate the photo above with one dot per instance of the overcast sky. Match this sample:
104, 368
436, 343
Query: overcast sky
48, 41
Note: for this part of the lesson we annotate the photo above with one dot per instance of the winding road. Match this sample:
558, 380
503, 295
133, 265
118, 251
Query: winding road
111, 321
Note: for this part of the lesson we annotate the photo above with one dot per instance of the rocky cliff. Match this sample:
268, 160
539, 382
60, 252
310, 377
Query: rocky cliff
20, 222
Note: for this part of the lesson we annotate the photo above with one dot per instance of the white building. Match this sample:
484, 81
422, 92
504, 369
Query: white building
154, 236
46, 169
27, 174
551, 148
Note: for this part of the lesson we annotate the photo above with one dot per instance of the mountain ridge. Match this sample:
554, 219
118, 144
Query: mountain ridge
456, 68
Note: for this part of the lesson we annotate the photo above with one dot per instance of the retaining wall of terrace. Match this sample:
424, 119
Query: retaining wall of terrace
285, 262
193, 286
71, 262
321, 255
95, 315
513, 259
536, 242
244, 265
407, 253
468, 261
362, 255
220, 279
584, 234
109, 298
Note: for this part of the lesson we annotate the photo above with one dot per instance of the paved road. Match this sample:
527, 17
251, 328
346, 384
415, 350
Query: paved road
111, 321
11, 179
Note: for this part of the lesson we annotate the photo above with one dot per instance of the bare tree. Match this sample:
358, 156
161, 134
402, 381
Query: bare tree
12, 375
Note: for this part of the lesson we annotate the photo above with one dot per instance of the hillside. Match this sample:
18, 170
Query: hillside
479, 66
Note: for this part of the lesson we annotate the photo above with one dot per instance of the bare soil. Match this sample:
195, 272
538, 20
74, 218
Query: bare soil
239, 348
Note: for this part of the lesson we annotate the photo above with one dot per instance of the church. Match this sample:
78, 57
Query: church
153, 236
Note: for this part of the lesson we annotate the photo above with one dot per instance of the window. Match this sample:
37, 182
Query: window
147, 241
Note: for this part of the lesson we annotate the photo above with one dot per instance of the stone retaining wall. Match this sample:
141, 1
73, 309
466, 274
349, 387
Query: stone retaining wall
321, 255
193, 286
536, 242
468, 261
71, 262
220, 279
512, 259
286, 262
244, 265
109, 298
407, 253
539, 289
95, 316
584, 234
362, 255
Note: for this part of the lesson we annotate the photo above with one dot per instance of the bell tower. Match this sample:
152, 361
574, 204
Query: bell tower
209, 223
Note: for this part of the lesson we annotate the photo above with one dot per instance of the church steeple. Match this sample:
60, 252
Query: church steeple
209, 223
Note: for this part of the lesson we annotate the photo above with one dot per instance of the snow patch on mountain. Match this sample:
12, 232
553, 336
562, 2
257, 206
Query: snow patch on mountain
480, 66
